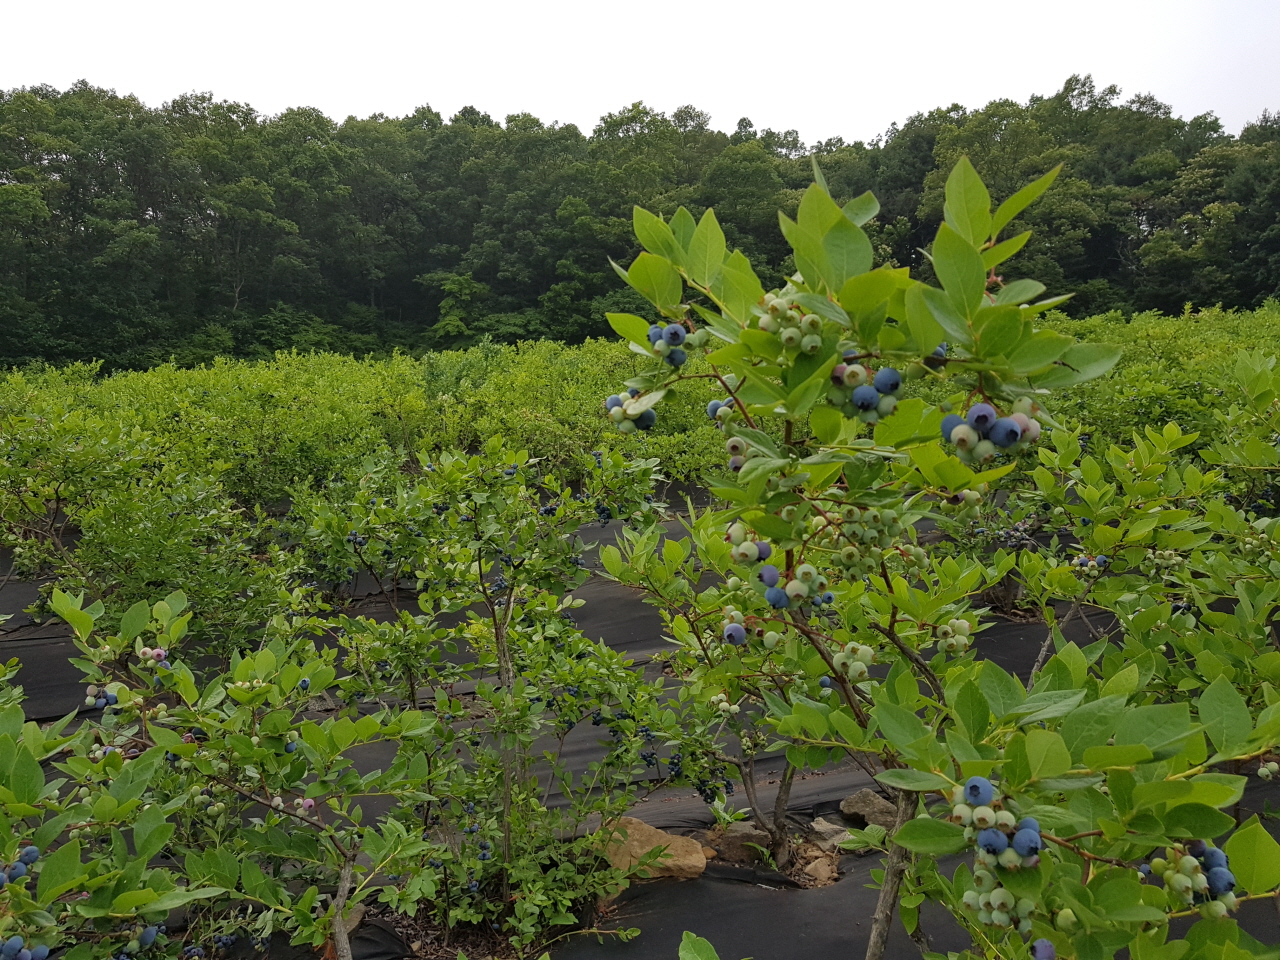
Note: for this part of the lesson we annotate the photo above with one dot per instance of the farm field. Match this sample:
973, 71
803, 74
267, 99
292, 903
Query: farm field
923, 618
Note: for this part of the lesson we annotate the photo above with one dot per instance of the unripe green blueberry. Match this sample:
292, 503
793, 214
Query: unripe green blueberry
617, 414
984, 817
627, 426
1025, 907
962, 814
737, 533
1213, 910
869, 417
1188, 865
770, 324
855, 375
1006, 821
771, 640
1065, 920
915, 370
888, 403
1159, 866
859, 671
1000, 918
1002, 899
965, 437
971, 898
811, 344
984, 452
811, 323
806, 573
1181, 883
1228, 900
984, 880
791, 337
984, 901
1010, 859
796, 590
735, 446
662, 348
865, 655
726, 412
984, 916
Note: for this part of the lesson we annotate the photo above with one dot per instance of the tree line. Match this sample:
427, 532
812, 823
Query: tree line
200, 228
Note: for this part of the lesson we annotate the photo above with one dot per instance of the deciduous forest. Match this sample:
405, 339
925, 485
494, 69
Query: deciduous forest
199, 228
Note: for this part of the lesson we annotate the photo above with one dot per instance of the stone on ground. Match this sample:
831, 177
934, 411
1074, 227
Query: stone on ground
871, 807
682, 858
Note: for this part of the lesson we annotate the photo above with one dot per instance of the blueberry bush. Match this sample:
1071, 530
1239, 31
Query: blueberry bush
861, 408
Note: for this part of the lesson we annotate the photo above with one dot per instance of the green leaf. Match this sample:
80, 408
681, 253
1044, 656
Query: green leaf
862, 208
656, 235
926, 332
1079, 363
994, 256
1003, 692
848, 253
917, 781
1020, 291
826, 422
1197, 820
695, 948
973, 711
968, 204
630, 327
135, 620
1255, 858
1091, 725
900, 726
959, 268
1225, 715
126, 903
1047, 754
59, 872
931, 837
1130, 755
1038, 351
26, 779
656, 280
706, 250
1021, 200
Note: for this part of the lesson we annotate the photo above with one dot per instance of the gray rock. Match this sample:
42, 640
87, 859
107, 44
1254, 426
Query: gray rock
870, 807
732, 844
827, 835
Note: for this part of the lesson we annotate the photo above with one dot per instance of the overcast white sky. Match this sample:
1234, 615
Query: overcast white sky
824, 67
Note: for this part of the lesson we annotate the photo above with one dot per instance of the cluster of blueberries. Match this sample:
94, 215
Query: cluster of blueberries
99, 699
668, 343
1092, 566
16, 872
1002, 840
1197, 873
15, 948
874, 395
625, 420
982, 432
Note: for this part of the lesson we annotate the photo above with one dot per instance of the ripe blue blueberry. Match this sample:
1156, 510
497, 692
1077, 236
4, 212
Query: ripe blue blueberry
1144, 869
949, 423
824, 682
655, 333
23, 954
633, 392
777, 598
1043, 949
1221, 880
866, 397
12, 946
30, 855
304, 684
993, 841
647, 419
941, 349
112, 699
763, 550
1029, 823
676, 357
735, 633
713, 408
17, 871
674, 334
1213, 858
1197, 848
40, 952
290, 747
613, 401
828, 597
979, 792
888, 380
1005, 432
769, 575
981, 416
148, 936
1026, 842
